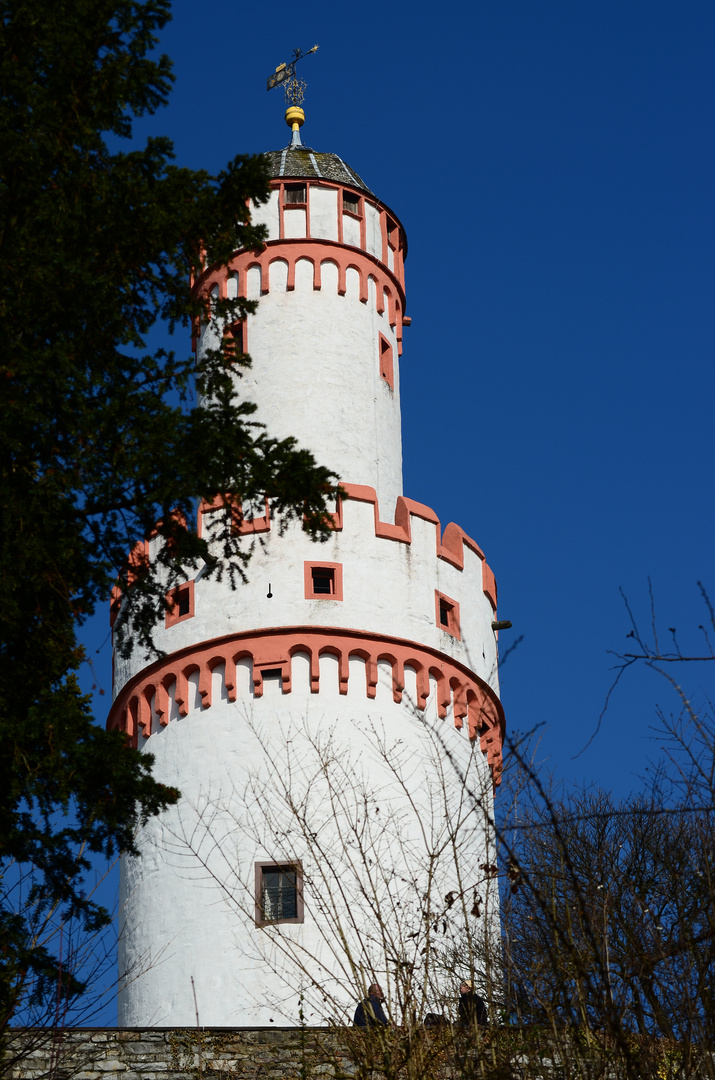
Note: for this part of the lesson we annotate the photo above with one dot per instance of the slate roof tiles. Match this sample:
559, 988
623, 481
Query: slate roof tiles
306, 164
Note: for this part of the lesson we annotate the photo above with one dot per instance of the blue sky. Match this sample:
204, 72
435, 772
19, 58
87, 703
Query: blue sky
552, 164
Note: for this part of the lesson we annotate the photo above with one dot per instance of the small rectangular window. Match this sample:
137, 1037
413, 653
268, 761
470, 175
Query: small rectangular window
295, 195
323, 581
180, 604
386, 364
447, 611
391, 233
235, 342
279, 893
351, 203
237, 333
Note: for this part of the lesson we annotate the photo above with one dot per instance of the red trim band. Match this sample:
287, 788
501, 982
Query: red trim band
290, 250
457, 686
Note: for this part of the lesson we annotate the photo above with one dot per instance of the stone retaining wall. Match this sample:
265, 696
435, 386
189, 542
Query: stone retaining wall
340, 1054
160, 1053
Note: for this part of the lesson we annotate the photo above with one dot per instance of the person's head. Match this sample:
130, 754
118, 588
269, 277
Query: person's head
465, 987
375, 990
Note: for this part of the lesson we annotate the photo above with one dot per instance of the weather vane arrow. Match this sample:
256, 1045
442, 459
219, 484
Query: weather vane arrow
286, 72
285, 76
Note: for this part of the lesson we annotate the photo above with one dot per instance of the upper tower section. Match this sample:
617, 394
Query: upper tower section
327, 336
318, 196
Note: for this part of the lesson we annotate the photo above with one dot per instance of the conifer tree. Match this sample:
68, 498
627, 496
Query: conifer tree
98, 241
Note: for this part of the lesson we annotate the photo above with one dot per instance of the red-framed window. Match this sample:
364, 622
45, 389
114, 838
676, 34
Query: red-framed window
295, 195
181, 604
352, 204
447, 614
236, 333
387, 370
323, 581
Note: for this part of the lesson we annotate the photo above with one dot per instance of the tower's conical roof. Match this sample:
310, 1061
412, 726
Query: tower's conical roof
305, 164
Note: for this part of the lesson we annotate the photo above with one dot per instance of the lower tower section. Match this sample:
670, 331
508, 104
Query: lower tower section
336, 740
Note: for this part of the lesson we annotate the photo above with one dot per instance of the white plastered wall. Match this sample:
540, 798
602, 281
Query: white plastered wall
316, 375
187, 906
351, 230
268, 214
323, 212
373, 235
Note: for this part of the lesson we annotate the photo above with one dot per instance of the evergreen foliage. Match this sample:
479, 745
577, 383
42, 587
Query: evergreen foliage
99, 439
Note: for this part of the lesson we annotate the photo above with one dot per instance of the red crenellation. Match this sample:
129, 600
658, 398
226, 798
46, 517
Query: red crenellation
449, 545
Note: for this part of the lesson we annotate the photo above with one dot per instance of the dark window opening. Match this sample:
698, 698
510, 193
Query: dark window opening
279, 893
180, 604
391, 238
272, 673
351, 203
386, 365
237, 334
323, 580
294, 194
447, 615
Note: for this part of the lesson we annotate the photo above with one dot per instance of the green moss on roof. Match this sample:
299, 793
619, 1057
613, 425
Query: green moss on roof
307, 164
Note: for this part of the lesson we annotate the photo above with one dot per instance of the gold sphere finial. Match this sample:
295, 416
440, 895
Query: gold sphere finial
295, 117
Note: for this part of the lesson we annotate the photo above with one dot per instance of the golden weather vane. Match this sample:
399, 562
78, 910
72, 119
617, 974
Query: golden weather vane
285, 76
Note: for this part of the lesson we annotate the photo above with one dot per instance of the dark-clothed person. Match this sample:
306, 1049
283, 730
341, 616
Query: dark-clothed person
369, 1012
472, 1008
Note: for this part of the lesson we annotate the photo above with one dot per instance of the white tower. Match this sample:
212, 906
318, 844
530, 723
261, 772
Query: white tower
334, 724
